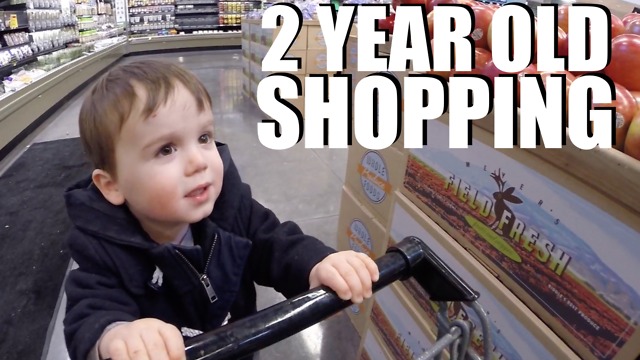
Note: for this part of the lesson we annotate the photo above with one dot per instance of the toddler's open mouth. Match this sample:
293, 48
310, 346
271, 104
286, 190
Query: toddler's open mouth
198, 191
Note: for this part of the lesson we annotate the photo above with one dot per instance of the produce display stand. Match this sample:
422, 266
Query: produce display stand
552, 234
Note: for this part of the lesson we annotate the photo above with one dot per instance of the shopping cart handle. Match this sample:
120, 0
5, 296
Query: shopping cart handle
409, 257
434, 275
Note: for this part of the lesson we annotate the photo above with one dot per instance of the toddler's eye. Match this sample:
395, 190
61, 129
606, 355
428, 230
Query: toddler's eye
166, 150
205, 138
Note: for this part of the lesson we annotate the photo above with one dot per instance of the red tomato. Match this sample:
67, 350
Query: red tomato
629, 17
563, 42
570, 78
563, 17
633, 27
617, 26
531, 69
624, 67
430, 18
482, 57
535, 38
491, 71
563, 45
626, 109
413, 2
483, 16
636, 95
388, 23
445, 74
436, 2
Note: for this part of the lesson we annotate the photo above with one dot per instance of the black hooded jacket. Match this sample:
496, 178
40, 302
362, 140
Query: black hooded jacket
117, 260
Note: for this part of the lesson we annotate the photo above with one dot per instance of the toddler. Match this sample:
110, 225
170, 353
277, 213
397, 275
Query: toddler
168, 239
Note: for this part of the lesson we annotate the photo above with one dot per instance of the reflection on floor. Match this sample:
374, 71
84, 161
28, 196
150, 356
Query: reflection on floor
298, 184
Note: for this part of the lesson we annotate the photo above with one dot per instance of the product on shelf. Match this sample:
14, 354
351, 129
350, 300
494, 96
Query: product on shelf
137, 3
17, 38
44, 4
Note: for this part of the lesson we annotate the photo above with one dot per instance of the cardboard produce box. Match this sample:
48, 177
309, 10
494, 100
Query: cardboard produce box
567, 251
517, 333
315, 37
358, 230
405, 336
246, 48
262, 36
245, 28
373, 175
372, 347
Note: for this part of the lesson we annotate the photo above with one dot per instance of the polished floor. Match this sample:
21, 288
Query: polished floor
299, 184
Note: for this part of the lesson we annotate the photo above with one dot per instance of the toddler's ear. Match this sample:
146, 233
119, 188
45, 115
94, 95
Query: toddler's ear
107, 186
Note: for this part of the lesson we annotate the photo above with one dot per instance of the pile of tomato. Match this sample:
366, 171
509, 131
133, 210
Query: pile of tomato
623, 69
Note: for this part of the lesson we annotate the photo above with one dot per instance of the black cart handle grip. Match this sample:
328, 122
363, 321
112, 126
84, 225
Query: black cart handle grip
409, 257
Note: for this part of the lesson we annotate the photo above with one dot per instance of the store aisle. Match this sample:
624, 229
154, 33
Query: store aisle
298, 184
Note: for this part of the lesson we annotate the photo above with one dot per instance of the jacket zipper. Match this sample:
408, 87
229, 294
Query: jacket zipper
204, 279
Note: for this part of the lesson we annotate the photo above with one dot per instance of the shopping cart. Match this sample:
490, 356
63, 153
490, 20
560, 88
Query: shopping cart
410, 257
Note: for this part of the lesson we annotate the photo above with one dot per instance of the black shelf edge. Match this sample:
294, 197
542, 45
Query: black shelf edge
145, 6
53, 28
195, 3
22, 27
153, 13
197, 13
14, 46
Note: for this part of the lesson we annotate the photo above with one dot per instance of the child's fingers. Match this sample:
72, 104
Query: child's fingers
136, 348
371, 265
332, 277
351, 277
155, 345
173, 342
118, 350
362, 272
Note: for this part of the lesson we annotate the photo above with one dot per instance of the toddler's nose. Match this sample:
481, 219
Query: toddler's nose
196, 162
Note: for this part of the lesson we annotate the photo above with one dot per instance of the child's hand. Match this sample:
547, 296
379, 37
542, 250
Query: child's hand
143, 339
348, 273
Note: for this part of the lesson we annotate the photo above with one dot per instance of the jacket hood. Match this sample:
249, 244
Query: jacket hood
90, 212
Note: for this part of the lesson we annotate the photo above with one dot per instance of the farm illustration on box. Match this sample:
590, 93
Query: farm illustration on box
575, 259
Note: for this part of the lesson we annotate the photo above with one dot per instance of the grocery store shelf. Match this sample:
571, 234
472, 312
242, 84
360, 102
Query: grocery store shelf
4, 70
190, 41
22, 27
42, 96
21, 112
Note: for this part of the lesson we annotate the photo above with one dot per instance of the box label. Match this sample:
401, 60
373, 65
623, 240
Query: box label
577, 261
374, 177
359, 237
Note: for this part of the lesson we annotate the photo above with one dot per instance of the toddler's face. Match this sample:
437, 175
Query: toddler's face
169, 169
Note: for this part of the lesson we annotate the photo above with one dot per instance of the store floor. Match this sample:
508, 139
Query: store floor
298, 184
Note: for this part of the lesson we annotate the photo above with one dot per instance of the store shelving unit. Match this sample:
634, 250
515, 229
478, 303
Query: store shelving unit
194, 16
96, 20
151, 17
30, 29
